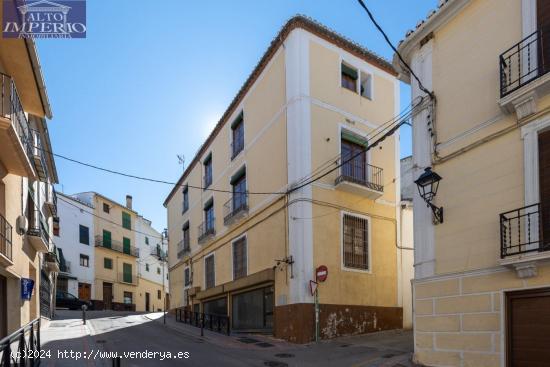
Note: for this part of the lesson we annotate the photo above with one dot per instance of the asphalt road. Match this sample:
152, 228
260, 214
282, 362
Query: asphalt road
154, 344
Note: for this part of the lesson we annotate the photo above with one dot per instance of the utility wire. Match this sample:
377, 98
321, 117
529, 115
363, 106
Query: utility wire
420, 85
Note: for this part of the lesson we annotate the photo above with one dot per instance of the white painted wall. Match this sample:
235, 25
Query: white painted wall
144, 229
71, 216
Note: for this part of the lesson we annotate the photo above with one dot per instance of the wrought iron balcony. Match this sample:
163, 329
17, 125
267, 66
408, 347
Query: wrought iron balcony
523, 63
183, 247
65, 266
116, 246
38, 231
128, 278
158, 252
51, 261
521, 231
235, 208
5, 238
51, 200
39, 155
361, 178
237, 145
207, 230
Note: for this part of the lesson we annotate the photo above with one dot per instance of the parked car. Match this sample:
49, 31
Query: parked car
67, 300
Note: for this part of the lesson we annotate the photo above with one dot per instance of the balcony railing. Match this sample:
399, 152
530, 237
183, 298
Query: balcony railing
206, 229
22, 347
361, 173
51, 199
235, 207
5, 238
11, 108
38, 227
523, 63
116, 246
158, 252
217, 323
237, 145
183, 247
128, 278
521, 231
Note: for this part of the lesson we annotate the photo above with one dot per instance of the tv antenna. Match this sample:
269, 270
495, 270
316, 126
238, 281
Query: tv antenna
181, 160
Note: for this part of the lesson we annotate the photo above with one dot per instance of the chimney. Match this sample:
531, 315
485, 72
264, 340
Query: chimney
129, 201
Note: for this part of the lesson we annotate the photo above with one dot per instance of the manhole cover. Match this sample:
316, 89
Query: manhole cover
284, 355
101, 341
275, 364
247, 340
264, 345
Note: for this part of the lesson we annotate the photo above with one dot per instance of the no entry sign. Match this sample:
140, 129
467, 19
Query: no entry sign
321, 273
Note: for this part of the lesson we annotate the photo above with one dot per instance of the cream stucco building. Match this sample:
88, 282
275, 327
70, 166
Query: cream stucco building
27, 197
239, 246
482, 278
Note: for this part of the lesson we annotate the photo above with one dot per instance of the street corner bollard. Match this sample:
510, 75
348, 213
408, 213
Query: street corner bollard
84, 308
116, 362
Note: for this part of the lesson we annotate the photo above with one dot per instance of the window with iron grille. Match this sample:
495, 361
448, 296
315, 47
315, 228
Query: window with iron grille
185, 199
239, 258
106, 207
210, 271
187, 277
84, 234
355, 242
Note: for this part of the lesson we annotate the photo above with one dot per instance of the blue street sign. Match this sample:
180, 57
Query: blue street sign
27, 286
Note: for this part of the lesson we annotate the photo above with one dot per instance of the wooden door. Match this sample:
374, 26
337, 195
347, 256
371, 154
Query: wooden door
543, 24
84, 291
108, 296
544, 186
528, 328
147, 300
3, 307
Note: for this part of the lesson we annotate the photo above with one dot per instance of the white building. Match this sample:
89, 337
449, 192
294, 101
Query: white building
74, 240
152, 253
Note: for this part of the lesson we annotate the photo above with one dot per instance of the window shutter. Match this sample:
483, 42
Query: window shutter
238, 175
349, 71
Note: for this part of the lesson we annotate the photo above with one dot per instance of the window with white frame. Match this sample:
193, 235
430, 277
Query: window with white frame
349, 77
355, 242
366, 85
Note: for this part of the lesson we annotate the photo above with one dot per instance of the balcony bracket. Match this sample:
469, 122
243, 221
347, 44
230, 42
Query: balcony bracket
526, 270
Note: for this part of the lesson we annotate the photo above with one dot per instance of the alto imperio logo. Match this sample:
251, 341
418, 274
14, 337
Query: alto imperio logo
44, 19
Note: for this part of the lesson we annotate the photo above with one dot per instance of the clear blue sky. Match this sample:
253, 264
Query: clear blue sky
153, 77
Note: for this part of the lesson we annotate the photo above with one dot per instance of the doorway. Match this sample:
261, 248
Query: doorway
84, 291
3, 307
108, 295
147, 300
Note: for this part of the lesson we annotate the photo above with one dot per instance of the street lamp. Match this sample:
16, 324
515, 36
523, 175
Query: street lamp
428, 183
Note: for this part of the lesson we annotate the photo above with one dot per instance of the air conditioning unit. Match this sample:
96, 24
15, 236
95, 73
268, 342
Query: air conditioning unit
21, 225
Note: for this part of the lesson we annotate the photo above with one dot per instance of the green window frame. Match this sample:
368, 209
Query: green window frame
146, 267
126, 273
146, 240
126, 220
107, 263
106, 239
84, 234
126, 246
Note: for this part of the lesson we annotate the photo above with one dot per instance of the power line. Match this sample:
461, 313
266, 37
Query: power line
420, 85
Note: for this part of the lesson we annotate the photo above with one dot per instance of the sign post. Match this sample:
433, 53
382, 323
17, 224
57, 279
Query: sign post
321, 274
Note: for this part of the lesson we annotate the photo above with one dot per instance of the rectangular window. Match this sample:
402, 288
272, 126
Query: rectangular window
239, 258
146, 240
187, 277
158, 270
349, 77
127, 273
84, 260
210, 272
354, 159
237, 131
84, 234
355, 242
238, 183
107, 263
366, 85
128, 298
209, 216
185, 199
106, 208
106, 239
126, 245
126, 220
146, 267
159, 294
186, 237
208, 171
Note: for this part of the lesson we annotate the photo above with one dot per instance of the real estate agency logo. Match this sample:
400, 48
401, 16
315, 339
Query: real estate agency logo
44, 19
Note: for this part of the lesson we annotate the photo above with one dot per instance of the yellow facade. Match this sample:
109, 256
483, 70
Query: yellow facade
484, 151
291, 129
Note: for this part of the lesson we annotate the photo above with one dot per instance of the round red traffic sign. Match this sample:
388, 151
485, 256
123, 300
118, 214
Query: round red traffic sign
321, 273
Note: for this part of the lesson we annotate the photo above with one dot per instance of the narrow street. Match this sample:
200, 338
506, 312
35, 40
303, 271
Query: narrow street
110, 332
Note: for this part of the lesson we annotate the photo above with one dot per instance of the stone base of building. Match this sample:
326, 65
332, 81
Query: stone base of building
296, 322
99, 305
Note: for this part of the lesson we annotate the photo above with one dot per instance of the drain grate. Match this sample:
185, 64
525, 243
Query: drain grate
264, 345
284, 355
247, 340
101, 341
275, 364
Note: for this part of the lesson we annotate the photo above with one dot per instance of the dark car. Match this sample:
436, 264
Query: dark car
67, 300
